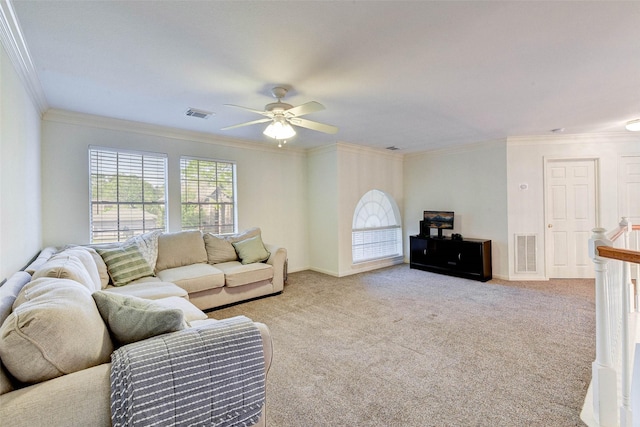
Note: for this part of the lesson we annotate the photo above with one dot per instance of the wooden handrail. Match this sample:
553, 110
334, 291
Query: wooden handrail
619, 254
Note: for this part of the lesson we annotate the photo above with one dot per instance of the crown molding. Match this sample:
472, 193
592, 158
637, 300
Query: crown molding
496, 143
354, 148
577, 138
17, 50
101, 122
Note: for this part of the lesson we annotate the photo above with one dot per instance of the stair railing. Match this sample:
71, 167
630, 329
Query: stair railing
616, 315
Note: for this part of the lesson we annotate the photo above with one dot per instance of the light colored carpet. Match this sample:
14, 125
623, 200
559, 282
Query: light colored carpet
402, 347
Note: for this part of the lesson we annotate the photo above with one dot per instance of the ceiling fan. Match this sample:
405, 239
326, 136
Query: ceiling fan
283, 115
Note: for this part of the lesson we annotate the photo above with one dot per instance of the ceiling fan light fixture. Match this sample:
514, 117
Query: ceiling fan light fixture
633, 125
279, 129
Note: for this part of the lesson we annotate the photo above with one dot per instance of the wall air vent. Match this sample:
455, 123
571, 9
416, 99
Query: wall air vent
526, 261
200, 114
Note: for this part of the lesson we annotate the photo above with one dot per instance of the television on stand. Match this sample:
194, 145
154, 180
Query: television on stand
439, 220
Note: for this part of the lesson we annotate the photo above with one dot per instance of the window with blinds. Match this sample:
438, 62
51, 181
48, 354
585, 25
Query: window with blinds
208, 195
376, 230
128, 193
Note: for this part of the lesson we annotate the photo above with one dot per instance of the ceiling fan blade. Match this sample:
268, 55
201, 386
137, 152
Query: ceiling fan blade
309, 124
255, 122
263, 113
306, 108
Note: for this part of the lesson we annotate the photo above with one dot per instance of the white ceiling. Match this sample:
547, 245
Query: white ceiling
418, 75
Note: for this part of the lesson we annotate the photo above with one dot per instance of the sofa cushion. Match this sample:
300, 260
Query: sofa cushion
219, 249
85, 255
8, 293
125, 264
43, 257
238, 274
194, 278
63, 266
54, 329
191, 312
103, 271
180, 249
251, 250
244, 235
132, 319
149, 290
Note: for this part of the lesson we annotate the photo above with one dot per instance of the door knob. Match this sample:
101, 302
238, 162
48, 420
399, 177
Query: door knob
550, 226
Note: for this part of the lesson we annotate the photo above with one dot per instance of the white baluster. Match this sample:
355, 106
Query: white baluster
604, 379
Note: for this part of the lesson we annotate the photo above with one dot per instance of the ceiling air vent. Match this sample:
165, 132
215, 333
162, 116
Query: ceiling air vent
392, 148
200, 114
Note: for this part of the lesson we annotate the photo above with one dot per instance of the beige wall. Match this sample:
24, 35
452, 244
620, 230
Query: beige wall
20, 211
526, 158
472, 182
272, 189
361, 170
339, 175
323, 214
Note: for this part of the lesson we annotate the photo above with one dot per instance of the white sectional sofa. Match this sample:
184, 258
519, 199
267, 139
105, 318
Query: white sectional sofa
56, 336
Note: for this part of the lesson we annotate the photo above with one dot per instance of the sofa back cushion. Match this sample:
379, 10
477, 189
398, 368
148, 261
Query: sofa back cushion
8, 293
87, 257
219, 249
65, 266
244, 235
42, 257
180, 249
55, 329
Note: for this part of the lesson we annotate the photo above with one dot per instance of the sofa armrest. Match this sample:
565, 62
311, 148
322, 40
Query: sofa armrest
278, 261
80, 398
267, 345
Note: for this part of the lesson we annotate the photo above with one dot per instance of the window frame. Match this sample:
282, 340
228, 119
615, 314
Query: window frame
121, 232
217, 229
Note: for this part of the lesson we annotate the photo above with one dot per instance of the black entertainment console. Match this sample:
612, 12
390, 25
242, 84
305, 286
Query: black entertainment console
469, 258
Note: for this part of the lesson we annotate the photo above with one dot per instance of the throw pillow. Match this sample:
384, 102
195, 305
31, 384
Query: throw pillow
125, 264
219, 250
132, 319
147, 244
251, 250
54, 329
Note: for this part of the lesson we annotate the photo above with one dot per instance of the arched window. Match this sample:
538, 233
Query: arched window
376, 230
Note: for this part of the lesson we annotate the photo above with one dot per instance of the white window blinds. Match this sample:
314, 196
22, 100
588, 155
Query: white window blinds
128, 193
208, 195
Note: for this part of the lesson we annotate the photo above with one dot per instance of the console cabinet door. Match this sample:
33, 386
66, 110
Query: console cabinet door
469, 257
419, 251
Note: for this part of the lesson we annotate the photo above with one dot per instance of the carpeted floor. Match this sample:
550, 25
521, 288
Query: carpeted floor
402, 347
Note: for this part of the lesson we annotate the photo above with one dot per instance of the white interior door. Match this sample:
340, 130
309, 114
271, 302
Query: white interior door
570, 217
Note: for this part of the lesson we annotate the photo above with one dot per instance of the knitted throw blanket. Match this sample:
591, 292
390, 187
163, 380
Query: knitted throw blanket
206, 376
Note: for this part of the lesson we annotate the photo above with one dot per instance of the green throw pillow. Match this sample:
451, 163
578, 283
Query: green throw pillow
125, 264
251, 250
132, 319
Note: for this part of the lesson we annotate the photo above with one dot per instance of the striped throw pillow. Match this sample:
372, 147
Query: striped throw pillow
125, 264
